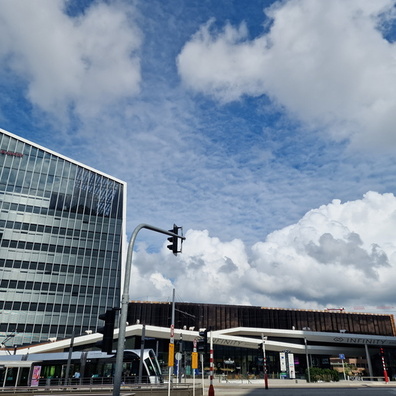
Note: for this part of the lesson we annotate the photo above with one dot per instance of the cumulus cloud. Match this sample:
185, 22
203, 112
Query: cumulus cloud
81, 63
340, 254
327, 63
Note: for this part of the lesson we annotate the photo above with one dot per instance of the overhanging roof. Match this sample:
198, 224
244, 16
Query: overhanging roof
242, 337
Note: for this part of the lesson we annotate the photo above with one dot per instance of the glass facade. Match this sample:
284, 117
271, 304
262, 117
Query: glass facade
61, 243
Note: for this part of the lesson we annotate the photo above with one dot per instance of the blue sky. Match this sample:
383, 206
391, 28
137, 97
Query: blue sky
244, 122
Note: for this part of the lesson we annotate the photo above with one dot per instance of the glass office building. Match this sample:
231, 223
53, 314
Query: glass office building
61, 243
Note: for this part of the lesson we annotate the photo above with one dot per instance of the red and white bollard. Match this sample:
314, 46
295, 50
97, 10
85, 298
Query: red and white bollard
384, 365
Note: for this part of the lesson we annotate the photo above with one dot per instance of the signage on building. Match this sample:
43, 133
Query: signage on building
12, 153
368, 341
234, 343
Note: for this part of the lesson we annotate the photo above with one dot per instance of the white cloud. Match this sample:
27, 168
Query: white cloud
327, 63
82, 63
340, 254
226, 66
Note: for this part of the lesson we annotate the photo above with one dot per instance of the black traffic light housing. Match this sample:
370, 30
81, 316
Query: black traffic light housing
106, 345
174, 241
203, 342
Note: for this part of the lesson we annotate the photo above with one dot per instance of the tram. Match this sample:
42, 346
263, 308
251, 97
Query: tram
84, 368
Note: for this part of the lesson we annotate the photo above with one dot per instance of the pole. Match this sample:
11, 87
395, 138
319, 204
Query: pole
194, 362
211, 388
193, 382
264, 338
201, 356
67, 374
142, 340
125, 301
370, 367
171, 351
306, 356
180, 362
386, 378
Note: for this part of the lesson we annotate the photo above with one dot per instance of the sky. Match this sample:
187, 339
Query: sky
264, 128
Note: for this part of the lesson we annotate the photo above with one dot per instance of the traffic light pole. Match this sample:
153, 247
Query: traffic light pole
125, 301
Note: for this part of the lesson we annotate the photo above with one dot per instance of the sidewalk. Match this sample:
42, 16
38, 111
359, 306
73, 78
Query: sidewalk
298, 383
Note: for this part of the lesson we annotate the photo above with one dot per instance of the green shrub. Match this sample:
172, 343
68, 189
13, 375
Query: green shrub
319, 374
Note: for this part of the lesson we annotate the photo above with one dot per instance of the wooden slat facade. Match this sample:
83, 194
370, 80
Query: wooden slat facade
219, 317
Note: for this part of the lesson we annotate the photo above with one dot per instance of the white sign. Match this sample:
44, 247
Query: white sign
282, 357
178, 356
292, 371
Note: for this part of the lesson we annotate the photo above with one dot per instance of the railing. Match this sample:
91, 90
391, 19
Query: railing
94, 381
366, 378
95, 384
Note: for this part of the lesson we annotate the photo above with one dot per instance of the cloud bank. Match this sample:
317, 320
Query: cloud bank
79, 64
340, 254
328, 63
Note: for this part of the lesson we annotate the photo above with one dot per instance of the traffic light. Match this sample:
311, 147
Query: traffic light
203, 342
174, 241
107, 330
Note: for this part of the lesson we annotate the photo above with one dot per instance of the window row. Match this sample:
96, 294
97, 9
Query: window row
56, 287
17, 225
87, 193
75, 212
46, 247
36, 328
49, 268
48, 307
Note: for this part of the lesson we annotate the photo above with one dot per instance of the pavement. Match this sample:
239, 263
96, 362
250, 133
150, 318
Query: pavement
298, 383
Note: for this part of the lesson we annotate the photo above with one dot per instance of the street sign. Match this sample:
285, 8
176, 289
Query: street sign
194, 360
